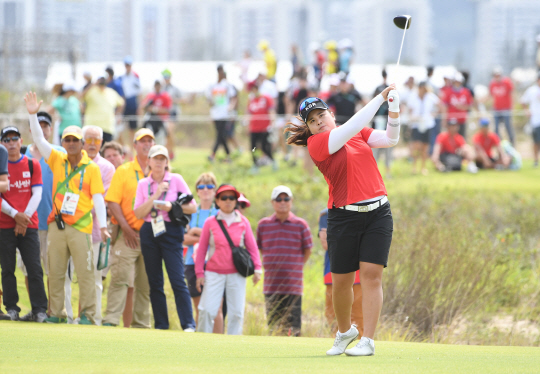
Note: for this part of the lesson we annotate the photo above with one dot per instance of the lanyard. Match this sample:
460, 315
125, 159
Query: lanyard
137, 176
154, 212
199, 214
74, 171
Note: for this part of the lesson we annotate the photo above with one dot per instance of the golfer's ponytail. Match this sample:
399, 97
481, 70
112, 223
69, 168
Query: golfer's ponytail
299, 132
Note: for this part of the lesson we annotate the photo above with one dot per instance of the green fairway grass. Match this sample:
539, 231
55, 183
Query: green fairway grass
42, 348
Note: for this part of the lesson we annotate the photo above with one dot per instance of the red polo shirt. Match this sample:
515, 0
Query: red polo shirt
452, 98
449, 144
502, 94
487, 142
20, 190
352, 173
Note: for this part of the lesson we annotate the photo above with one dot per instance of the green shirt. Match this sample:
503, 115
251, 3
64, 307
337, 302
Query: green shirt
69, 110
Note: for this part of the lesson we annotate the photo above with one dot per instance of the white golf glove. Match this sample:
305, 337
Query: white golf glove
393, 101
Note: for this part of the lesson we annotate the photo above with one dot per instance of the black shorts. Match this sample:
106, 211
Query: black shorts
536, 135
422, 137
191, 279
284, 312
451, 161
355, 237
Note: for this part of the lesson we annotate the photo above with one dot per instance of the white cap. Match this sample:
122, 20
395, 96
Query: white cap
334, 80
279, 190
68, 86
497, 70
458, 77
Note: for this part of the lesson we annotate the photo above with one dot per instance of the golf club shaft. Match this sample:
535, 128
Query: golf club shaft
402, 40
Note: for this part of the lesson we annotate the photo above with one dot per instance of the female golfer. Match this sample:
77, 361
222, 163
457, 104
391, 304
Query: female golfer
359, 218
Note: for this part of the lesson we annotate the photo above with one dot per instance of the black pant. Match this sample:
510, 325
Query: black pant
221, 136
262, 139
284, 312
166, 248
29, 247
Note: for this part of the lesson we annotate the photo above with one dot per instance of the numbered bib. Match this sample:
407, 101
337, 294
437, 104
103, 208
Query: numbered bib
69, 205
158, 226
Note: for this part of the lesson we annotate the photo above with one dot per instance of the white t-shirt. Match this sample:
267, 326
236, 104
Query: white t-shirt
269, 88
532, 98
423, 111
220, 95
131, 85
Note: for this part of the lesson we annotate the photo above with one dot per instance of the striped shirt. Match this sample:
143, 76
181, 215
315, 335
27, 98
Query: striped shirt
282, 245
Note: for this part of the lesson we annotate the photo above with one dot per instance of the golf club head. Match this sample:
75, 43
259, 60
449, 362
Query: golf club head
401, 21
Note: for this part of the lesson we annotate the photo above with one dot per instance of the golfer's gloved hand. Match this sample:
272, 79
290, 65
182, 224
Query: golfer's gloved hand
393, 101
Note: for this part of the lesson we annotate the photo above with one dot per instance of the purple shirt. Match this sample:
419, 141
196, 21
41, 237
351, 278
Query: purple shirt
177, 185
107, 171
282, 245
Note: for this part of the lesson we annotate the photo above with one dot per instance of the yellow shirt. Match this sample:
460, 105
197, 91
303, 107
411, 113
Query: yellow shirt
92, 184
271, 63
333, 60
123, 190
100, 108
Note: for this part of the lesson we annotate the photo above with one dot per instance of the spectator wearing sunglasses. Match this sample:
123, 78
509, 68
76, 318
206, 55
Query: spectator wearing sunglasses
285, 243
206, 192
220, 273
161, 239
77, 188
360, 223
19, 229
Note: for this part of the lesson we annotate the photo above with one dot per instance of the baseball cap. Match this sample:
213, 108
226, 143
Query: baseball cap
263, 44
243, 199
279, 190
251, 85
7, 130
484, 122
166, 73
227, 187
44, 117
75, 131
452, 121
497, 70
157, 150
141, 133
128, 60
458, 77
68, 86
310, 104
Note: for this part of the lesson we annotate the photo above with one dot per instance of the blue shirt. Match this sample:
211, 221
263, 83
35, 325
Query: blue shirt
197, 220
45, 206
116, 85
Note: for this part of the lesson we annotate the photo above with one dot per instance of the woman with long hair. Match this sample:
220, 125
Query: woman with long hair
360, 222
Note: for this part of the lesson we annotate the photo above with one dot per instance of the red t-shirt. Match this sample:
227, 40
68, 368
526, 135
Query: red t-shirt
487, 142
20, 190
160, 100
449, 144
451, 98
502, 94
259, 107
351, 173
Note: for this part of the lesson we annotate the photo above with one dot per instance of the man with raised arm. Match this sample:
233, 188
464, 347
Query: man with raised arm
77, 188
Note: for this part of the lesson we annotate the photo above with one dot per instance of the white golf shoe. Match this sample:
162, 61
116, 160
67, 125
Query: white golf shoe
365, 347
342, 341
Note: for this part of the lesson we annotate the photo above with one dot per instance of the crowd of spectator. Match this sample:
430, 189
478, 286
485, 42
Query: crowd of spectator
67, 207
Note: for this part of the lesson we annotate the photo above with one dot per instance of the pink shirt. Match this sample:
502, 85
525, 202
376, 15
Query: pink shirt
107, 172
177, 185
214, 242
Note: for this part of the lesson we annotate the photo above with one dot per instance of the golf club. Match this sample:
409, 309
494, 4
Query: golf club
403, 22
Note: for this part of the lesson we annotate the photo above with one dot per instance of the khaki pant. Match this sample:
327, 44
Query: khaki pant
126, 259
356, 313
78, 245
